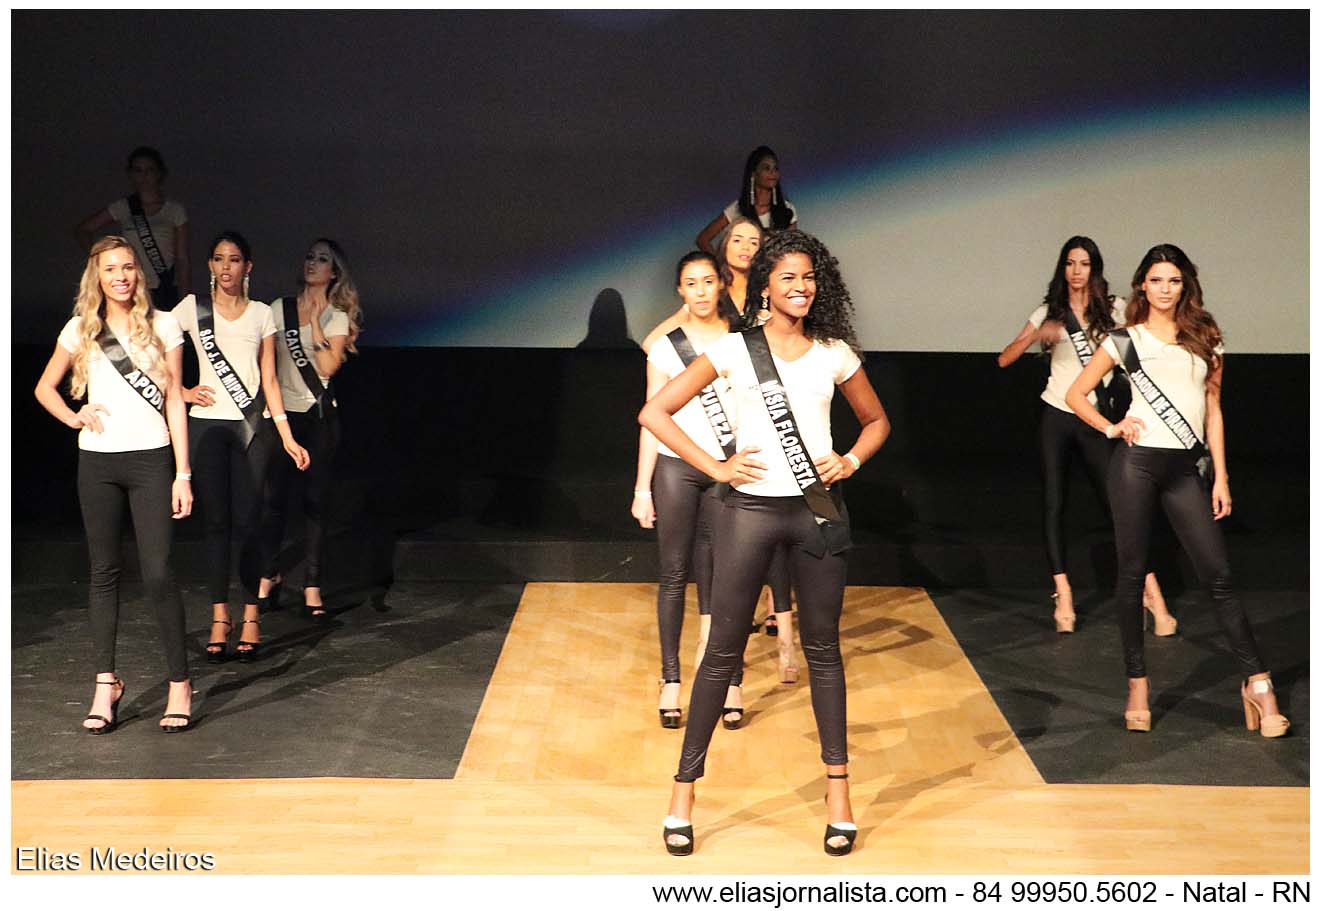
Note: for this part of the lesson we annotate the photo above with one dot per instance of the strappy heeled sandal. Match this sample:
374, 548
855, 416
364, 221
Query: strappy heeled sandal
846, 830
1255, 719
789, 671
249, 653
670, 718
108, 724
736, 711
271, 600
216, 650
681, 828
1161, 626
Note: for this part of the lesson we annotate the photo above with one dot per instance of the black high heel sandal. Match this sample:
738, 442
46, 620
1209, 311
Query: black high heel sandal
216, 650
316, 612
737, 711
109, 724
684, 831
272, 599
834, 831
670, 718
249, 653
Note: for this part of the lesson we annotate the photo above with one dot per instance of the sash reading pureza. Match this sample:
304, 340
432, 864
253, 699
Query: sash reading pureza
251, 406
707, 398
302, 361
1165, 409
142, 384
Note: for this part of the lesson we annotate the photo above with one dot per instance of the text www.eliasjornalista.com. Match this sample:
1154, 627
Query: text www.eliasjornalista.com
781, 895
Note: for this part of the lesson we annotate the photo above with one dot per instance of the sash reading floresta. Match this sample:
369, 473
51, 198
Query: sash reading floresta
707, 398
142, 384
250, 405
814, 491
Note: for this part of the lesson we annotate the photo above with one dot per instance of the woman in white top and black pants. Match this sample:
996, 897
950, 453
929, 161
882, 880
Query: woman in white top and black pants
811, 344
310, 349
1078, 289
232, 443
127, 359
1174, 422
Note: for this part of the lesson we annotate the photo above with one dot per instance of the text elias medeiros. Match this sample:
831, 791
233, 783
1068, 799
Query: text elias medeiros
112, 860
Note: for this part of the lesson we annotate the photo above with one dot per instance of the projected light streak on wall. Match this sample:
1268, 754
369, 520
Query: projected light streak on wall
949, 249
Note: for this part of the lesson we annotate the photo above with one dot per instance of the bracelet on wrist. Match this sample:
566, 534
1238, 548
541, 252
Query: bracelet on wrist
279, 417
643, 494
853, 460
183, 476
1110, 431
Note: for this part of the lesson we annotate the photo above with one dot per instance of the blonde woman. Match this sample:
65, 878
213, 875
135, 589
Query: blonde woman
315, 332
232, 441
126, 358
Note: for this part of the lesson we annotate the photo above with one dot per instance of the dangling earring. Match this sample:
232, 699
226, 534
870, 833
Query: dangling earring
766, 301
213, 284
245, 286
752, 191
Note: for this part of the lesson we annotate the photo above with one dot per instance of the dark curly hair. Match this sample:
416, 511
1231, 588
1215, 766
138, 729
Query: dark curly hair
832, 314
1196, 329
1100, 300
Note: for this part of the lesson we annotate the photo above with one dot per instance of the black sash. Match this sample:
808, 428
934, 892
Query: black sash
707, 398
142, 384
251, 406
306, 368
164, 275
826, 505
1163, 406
1114, 395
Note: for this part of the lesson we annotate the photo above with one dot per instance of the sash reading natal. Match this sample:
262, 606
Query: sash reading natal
1112, 400
320, 391
1165, 409
142, 384
148, 240
826, 505
249, 405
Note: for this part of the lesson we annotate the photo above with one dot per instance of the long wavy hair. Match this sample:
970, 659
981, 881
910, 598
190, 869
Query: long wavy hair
781, 216
143, 346
1100, 300
725, 308
831, 316
749, 315
1196, 329
342, 293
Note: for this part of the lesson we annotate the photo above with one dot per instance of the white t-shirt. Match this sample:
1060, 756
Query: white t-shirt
732, 212
240, 341
692, 418
132, 423
170, 216
334, 322
1182, 378
1065, 363
809, 382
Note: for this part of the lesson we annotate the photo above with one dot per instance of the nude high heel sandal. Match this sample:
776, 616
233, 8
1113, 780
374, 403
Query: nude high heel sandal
1138, 721
1064, 622
1161, 626
789, 671
1254, 718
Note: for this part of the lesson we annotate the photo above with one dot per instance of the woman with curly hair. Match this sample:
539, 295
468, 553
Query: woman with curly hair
785, 455
1174, 437
1078, 288
233, 443
315, 332
761, 199
127, 360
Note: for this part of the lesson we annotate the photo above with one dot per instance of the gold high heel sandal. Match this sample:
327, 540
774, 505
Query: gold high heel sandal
1254, 717
1064, 622
789, 671
1138, 721
1161, 626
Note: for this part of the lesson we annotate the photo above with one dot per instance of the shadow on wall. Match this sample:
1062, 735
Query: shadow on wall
608, 325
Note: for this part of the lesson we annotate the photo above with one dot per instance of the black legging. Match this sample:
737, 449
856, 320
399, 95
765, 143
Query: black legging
748, 529
143, 478
228, 479
1139, 475
686, 506
1062, 432
320, 437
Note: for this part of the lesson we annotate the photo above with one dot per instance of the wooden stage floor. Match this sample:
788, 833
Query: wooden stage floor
567, 771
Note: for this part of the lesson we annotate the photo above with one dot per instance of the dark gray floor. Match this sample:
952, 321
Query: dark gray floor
1064, 695
377, 693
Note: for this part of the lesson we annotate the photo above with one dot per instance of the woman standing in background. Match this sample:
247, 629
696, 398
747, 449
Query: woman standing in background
761, 199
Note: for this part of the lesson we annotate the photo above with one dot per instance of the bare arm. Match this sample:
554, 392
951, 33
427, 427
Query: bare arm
1215, 429
643, 509
48, 394
1127, 429
176, 418
275, 402
328, 360
708, 234
87, 229
1025, 339
876, 427
656, 416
